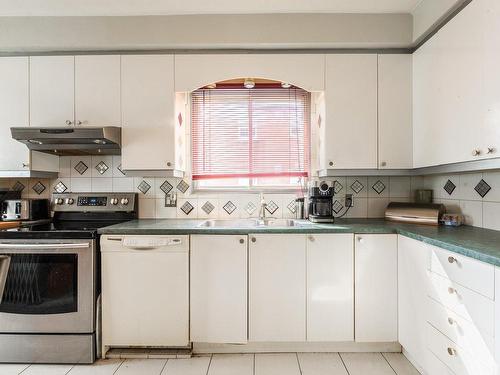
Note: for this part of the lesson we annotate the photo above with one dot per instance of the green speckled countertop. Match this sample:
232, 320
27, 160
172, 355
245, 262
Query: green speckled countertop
478, 243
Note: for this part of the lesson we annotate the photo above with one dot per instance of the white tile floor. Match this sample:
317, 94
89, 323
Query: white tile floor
235, 364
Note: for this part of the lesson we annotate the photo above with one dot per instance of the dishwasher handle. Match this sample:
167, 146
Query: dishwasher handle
149, 243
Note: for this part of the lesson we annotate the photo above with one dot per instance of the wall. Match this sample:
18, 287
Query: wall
461, 197
205, 31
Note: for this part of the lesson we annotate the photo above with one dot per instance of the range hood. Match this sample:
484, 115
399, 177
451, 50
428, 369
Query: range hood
71, 141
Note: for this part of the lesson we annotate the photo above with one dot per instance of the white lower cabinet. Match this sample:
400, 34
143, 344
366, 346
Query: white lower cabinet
277, 287
218, 288
376, 285
145, 296
330, 287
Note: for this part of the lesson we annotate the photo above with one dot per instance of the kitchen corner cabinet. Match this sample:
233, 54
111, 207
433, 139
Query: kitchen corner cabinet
376, 285
395, 132
69, 90
277, 287
349, 132
14, 111
330, 287
218, 288
153, 130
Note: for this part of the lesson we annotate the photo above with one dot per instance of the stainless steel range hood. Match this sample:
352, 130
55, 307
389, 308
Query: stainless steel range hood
71, 141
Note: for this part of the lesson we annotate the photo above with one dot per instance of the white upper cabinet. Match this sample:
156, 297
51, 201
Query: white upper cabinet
218, 288
395, 138
14, 111
376, 286
195, 71
330, 287
456, 89
277, 287
349, 132
52, 90
97, 90
149, 132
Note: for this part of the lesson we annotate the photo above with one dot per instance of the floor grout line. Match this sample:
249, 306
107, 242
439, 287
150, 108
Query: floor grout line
298, 363
253, 363
209, 363
120, 365
342, 359
163, 368
71, 368
383, 356
27, 367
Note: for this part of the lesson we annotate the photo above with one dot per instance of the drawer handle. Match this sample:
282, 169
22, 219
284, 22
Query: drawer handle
452, 351
452, 290
452, 260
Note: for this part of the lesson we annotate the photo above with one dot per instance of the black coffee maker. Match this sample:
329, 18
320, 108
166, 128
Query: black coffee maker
321, 202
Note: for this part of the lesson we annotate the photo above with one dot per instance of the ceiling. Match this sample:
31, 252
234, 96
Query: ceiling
178, 7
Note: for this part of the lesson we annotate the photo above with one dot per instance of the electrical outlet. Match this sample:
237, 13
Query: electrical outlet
348, 200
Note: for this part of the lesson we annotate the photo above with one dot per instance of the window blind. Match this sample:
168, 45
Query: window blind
259, 132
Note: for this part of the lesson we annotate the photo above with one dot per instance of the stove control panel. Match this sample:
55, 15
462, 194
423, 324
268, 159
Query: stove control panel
94, 202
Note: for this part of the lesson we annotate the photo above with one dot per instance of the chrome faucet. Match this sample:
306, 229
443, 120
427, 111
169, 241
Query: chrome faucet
263, 205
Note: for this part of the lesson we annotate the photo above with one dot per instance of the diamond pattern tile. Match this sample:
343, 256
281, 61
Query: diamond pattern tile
229, 207
207, 207
482, 188
357, 186
60, 187
379, 187
449, 187
187, 208
337, 187
81, 167
271, 207
337, 206
166, 187
39, 188
101, 167
182, 186
144, 187
18, 186
120, 169
250, 208
292, 206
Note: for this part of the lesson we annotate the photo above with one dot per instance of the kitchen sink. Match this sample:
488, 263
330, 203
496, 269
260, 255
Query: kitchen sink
254, 223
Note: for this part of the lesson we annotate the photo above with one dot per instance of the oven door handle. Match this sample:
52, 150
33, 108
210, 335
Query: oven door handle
79, 245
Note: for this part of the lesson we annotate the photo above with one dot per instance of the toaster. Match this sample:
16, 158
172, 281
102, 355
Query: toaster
25, 209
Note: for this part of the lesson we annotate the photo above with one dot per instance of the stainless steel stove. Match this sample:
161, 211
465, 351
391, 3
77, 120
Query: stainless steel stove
49, 305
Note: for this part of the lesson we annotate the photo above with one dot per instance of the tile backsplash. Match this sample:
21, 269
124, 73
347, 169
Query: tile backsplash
475, 195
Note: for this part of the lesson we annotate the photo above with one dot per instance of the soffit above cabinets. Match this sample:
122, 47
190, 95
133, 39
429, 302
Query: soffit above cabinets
173, 7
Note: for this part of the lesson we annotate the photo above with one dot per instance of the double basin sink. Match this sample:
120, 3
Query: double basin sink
255, 223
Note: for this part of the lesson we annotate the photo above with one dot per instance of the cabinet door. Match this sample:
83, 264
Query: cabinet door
395, 137
413, 283
277, 290
330, 287
218, 289
52, 90
351, 111
14, 111
97, 90
376, 285
148, 101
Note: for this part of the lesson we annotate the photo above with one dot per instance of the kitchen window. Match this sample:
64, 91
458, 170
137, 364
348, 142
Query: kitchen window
250, 138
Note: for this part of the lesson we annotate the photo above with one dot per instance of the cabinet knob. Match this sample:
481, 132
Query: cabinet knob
452, 259
79, 122
330, 164
451, 290
452, 351
383, 164
491, 150
254, 239
450, 321
69, 122
311, 238
242, 240
361, 240
476, 152
26, 165
169, 164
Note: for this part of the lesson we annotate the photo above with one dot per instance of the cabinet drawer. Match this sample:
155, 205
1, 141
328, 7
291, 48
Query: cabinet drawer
455, 357
472, 306
460, 330
471, 273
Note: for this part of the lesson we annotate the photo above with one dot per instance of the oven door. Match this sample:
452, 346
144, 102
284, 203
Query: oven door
49, 286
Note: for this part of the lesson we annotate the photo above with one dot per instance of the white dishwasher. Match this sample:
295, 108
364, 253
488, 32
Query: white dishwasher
145, 291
